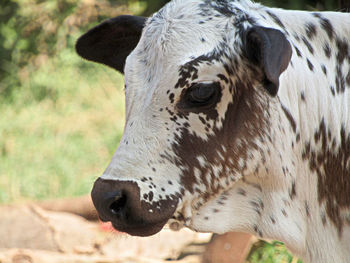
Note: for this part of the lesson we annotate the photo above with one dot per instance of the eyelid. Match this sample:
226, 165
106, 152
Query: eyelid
203, 82
184, 103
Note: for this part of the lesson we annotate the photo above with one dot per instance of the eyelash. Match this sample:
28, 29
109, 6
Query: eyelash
200, 95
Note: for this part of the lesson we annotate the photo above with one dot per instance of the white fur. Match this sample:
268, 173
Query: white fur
171, 42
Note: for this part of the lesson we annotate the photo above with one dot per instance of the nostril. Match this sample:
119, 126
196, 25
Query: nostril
118, 204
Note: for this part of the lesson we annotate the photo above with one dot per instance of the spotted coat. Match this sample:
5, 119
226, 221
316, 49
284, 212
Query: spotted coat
237, 119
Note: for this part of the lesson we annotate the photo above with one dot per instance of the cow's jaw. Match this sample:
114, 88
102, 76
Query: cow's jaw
249, 206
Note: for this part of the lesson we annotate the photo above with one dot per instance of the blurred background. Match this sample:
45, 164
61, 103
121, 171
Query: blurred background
61, 118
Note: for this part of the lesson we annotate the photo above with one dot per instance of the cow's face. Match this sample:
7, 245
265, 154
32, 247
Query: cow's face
198, 84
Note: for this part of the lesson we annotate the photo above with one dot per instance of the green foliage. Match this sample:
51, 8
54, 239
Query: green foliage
55, 142
311, 5
153, 5
62, 118
274, 252
34, 31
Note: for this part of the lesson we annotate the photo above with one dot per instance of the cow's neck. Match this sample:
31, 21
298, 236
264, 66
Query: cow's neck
323, 232
293, 215
297, 221
309, 87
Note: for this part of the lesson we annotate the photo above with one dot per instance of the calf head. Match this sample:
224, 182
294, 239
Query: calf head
200, 78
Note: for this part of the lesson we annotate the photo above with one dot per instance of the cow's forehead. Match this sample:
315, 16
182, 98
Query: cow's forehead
178, 33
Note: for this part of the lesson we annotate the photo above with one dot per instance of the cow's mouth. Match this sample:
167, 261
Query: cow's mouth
141, 225
142, 230
119, 202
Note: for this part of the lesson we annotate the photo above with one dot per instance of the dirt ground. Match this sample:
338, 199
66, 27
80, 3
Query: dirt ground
30, 234
67, 231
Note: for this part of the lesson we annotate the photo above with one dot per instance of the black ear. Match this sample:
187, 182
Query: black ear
271, 51
112, 41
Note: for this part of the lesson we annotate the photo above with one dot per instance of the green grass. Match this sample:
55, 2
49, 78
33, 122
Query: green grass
274, 252
61, 129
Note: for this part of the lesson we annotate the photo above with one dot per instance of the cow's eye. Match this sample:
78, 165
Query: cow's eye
201, 94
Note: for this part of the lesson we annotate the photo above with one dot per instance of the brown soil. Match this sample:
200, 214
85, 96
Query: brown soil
67, 231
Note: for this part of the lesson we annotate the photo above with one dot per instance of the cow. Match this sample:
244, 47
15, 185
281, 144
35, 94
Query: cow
237, 119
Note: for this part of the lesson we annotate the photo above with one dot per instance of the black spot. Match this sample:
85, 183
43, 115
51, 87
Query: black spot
339, 80
261, 203
182, 191
295, 35
284, 213
292, 192
171, 97
257, 230
302, 96
150, 196
327, 26
169, 111
276, 19
343, 50
307, 209
290, 118
174, 118
223, 77
170, 182
202, 39
272, 220
308, 45
309, 64
324, 69
327, 50
323, 218
241, 192
310, 30
298, 51
256, 207
332, 90
201, 119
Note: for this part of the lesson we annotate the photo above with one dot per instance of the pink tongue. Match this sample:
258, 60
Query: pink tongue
107, 227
